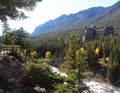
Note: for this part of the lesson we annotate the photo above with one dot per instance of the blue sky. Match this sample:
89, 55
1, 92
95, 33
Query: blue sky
51, 9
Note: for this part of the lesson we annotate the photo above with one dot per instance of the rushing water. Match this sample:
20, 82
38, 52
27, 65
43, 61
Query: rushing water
94, 86
98, 87
54, 69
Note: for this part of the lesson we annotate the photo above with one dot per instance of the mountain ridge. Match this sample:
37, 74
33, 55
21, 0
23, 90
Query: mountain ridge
94, 15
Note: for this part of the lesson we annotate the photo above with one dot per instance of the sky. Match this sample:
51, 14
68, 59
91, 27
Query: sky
51, 9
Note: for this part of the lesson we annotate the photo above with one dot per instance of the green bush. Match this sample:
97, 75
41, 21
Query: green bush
40, 75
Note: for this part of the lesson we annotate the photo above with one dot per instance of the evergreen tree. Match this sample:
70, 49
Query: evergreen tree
11, 8
19, 36
70, 53
75, 63
5, 34
81, 64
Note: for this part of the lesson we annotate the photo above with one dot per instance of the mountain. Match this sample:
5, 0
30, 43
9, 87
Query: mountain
65, 22
109, 15
95, 15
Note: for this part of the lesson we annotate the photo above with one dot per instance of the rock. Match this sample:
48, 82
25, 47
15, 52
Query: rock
28, 90
40, 90
12, 71
1, 91
12, 75
34, 90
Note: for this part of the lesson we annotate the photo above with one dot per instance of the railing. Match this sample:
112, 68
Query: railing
4, 49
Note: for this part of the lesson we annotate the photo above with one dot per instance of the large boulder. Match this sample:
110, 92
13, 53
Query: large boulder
12, 75
12, 71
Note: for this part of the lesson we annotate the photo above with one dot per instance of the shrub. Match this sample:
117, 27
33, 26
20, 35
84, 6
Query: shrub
40, 75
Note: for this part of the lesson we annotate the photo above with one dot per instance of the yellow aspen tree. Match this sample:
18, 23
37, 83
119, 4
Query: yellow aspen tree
48, 54
97, 50
33, 54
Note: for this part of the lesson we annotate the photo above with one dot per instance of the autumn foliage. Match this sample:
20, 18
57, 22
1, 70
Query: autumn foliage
48, 54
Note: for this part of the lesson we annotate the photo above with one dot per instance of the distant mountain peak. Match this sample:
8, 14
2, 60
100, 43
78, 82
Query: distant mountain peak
94, 15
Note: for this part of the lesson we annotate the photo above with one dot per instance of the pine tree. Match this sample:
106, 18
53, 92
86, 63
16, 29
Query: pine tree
6, 33
11, 8
81, 60
70, 53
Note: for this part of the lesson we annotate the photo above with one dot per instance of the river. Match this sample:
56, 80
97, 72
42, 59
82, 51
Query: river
94, 86
98, 87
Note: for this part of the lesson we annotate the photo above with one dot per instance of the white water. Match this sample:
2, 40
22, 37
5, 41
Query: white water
97, 87
94, 86
56, 70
